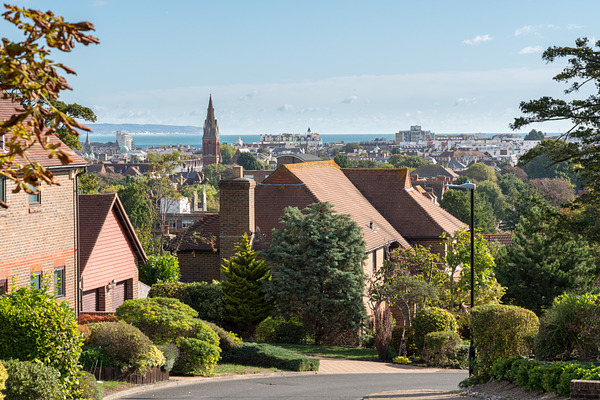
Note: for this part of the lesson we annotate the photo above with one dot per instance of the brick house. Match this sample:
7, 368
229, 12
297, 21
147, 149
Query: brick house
39, 232
382, 202
110, 253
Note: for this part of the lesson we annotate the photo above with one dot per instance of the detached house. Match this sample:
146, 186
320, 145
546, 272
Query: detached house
382, 202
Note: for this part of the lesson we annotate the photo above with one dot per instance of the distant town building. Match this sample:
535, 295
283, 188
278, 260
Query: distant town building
310, 140
211, 145
415, 134
125, 140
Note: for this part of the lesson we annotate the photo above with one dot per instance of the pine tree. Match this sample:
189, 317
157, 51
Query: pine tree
244, 292
317, 269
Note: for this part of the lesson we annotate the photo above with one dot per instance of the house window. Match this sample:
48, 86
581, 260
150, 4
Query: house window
34, 199
186, 224
3, 286
173, 224
3, 189
59, 282
36, 280
374, 261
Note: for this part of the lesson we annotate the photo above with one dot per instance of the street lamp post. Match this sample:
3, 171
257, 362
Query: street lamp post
470, 186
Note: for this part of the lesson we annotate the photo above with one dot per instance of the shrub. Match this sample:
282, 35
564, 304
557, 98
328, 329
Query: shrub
196, 357
501, 331
409, 340
279, 331
441, 348
163, 320
89, 387
366, 341
163, 268
34, 326
92, 357
206, 298
171, 353
401, 360
570, 328
32, 381
265, 355
3, 378
432, 319
124, 345
227, 340
91, 319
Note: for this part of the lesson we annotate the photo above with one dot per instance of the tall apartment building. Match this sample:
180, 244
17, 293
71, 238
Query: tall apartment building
125, 139
415, 134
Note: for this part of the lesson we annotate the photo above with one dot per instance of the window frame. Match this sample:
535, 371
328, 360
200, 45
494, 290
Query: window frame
37, 197
60, 283
36, 280
2, 190
3, 286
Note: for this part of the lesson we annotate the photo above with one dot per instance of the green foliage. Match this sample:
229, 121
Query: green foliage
164, 268
544, 260
3, 378
317, 268
227, 340
458, 203
570, 328
343, 161
244, 290
198, 355
265, 355
401, 360
479, 172
73, 110
432, 319
441, 348
458, 255
162, 319
213, 171
88, 183
170, 353
89, 387
227, 152
249, 162
205, 298
352, 147
366, 341
274, 330
125, 346
535, 135
502, 331
35, 327
401, 161
29, 380
135, 201
94, 356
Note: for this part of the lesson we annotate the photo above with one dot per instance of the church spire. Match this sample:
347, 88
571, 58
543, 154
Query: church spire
211, 129
210, 140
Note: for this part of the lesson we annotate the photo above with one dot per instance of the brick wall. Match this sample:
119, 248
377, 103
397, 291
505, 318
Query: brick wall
434, 245
584, 390
199, 266
236, 212
40, 238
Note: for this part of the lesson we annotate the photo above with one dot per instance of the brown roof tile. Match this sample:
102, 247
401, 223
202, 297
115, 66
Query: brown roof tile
411, 213
198, 236
94, 209
502, 238
37, 153
325, 182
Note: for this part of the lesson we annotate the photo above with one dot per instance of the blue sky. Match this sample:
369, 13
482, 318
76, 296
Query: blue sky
334, 66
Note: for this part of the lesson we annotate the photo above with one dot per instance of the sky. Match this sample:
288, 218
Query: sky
334, 66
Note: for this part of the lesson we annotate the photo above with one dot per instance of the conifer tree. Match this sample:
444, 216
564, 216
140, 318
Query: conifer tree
317, 269
244, 292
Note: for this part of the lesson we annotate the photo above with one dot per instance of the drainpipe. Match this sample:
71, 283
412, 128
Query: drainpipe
78, 288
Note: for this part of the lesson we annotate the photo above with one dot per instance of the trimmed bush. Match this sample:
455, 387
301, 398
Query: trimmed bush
124, 345
85, 319
163, 268
162, 319
3, 378
441, 348
265, 355
501, 331
279, 331
432, 319
206, 298
171, 353
198, 355
227, 340
570, 328
32, 381
89, 387
34, 326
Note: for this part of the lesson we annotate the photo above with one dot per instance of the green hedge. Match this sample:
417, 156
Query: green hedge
265, 355
441, 348
198, 355
273, 330
501, 331
206, 298
432, 319
543, 377
32, 381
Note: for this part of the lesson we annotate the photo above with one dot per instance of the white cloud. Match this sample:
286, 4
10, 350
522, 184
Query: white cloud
350, 100
99, 3
285, 108
478, 39
531, 50
523, 30
463, 100
249, 95
571, 27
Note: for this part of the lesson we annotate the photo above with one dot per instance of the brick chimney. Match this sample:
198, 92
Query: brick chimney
236, 211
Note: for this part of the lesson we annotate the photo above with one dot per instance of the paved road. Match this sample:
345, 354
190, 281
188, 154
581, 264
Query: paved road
311, 386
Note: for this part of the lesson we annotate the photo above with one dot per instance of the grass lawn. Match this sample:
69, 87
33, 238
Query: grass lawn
350, 353
236, 369
108, 387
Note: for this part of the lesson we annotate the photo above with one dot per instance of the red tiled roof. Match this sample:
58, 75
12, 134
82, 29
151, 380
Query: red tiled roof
94, 209
324, 181
502, 238
197, 236
411, 213
37, 153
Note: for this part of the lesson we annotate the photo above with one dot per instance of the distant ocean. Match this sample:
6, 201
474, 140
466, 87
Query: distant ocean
157, 139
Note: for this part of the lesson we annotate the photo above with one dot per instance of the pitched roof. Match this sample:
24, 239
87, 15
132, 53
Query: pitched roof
502, 238
198, 236
433, 170
411, 213
36, 153
324, 181
94, 210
